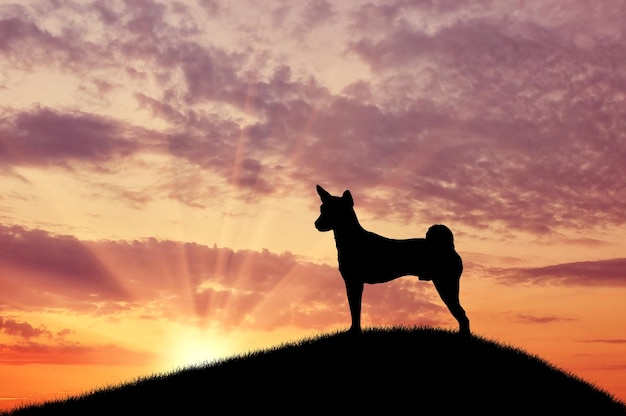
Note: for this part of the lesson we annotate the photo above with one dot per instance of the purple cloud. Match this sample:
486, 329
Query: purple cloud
14, 32
473, 115
316, 12
36, 262
45, 137
584, 273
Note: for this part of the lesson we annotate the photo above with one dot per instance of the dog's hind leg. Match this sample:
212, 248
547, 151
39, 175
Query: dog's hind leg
355, 295
449, 292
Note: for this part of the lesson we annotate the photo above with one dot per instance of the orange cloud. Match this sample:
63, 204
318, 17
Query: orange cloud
72, 354
21, 329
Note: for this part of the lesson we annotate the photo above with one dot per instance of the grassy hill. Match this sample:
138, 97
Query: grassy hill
387, 371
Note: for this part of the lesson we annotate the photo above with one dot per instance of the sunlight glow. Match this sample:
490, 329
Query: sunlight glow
195, 347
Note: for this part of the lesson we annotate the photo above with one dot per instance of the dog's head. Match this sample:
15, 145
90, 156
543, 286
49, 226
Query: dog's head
440, 236
334, 209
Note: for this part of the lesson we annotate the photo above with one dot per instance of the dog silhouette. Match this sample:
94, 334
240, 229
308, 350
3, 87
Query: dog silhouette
366, 257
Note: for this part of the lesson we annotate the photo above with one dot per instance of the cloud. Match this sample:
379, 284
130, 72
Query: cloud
605, 341
44, 137
607, 273
36, 263
16, 33
471, 114
169, 279
187, 281
521, 143
22, 329
532, 319
212, 7
39, 346
316, 12
73, 354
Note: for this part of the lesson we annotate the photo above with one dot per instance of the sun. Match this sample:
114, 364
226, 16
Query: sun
193, 354
193, 346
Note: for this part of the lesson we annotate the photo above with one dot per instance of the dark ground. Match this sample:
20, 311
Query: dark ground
387, 371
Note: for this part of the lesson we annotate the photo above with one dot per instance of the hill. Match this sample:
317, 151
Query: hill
383, 371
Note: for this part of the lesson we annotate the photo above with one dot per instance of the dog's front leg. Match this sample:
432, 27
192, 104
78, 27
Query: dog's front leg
355, 295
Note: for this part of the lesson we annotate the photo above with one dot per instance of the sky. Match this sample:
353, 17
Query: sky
158, 163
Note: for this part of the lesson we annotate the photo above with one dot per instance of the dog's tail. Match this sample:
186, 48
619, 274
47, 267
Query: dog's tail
440, 236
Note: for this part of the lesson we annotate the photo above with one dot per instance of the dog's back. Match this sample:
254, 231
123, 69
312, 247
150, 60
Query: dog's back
377, 259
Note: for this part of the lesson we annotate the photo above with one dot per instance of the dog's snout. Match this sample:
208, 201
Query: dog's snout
319, 224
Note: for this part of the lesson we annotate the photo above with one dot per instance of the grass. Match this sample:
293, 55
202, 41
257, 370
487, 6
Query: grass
384, 370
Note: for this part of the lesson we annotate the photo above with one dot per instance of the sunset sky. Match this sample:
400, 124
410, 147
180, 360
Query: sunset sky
158, 163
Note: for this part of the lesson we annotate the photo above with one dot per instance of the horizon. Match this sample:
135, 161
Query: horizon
159, 162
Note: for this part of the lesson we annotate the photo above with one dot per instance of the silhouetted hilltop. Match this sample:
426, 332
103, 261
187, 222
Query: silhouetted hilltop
386, 371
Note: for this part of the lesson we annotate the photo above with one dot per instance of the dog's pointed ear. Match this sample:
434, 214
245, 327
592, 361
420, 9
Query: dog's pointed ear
348, 197
323, 193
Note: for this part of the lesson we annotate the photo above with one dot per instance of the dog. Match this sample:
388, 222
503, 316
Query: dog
366, 257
